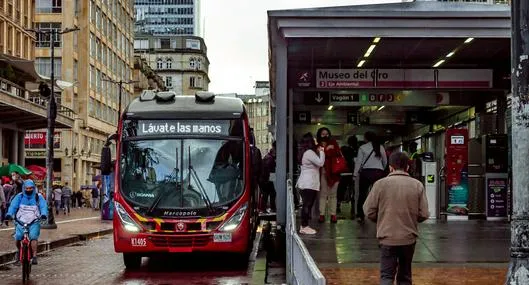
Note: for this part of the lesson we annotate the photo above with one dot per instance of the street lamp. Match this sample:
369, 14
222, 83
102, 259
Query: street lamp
120, 84
52, 115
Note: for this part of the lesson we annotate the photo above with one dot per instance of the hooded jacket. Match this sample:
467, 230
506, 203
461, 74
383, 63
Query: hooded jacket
25, 207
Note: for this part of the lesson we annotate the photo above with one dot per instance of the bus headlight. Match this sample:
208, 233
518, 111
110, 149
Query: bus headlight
128, 223
235, 220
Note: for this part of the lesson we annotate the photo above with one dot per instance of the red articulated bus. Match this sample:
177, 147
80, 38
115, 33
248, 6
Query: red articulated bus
183, 176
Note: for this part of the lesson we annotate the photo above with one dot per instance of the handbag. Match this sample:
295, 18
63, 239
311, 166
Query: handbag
363, 163
339, 164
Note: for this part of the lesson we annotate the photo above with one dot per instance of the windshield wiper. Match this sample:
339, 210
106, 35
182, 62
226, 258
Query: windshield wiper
160, 195
157, 200
203, 193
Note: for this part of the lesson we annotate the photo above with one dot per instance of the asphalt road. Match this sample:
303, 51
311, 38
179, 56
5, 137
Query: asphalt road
95, 262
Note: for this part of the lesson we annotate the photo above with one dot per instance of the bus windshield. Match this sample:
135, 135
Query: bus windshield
182, 173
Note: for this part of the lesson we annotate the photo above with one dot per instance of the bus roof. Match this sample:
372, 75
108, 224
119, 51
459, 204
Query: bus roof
171, 106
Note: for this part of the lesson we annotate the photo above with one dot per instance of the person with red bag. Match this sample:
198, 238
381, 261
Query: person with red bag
330, 173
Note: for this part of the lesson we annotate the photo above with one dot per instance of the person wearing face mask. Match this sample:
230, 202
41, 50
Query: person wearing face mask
26, 207
329, 180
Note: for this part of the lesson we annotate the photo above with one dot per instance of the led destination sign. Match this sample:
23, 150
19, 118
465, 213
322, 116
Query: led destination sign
198, 127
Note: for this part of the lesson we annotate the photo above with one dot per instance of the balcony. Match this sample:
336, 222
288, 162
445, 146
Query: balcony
27, 112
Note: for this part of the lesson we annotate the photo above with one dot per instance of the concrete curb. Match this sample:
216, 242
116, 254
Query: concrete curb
9, 257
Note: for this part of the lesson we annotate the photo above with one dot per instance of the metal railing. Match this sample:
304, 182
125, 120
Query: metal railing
63, 110
479, 1
15, 90
301, 268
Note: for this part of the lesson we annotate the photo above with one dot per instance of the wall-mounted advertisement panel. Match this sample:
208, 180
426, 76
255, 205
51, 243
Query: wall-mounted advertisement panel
403, 78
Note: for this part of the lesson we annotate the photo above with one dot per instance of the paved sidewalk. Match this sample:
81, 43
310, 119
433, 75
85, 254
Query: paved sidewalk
466, 252
80, 224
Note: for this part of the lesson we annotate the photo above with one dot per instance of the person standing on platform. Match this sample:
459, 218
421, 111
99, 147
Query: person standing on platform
309, 179
346, 189
329, 180
67, 197
397, 204
370, 167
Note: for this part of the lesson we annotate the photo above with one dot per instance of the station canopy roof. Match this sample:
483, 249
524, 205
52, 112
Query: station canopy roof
418, 35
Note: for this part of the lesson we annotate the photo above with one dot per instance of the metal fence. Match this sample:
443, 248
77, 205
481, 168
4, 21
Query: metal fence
301, 268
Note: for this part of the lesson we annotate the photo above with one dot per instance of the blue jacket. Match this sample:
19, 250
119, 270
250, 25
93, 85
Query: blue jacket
30, 200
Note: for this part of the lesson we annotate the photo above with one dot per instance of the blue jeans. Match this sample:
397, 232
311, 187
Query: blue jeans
34, 231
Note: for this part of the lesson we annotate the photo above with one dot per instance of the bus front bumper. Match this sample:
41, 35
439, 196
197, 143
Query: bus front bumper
127, 242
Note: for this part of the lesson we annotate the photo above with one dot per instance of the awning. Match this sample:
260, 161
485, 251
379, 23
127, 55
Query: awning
27, 72
26, 67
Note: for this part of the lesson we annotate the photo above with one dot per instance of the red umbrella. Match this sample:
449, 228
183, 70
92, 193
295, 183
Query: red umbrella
39, 172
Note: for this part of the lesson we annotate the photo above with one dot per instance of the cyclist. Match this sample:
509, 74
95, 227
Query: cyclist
26, 207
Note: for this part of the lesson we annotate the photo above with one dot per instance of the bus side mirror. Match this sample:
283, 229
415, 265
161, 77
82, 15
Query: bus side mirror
106, 161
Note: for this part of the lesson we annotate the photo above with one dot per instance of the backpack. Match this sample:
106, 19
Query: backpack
37, 199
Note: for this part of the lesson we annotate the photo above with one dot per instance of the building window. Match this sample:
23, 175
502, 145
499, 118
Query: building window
92, 77
141, 44
169, 63
193, 44
192, 63
48, 6
43, 66
98, 80
93, 48
159, 63
165, 43
92, 11
192, 82
44, 39
169, 81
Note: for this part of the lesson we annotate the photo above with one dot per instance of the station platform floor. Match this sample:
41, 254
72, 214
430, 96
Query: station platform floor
455, 252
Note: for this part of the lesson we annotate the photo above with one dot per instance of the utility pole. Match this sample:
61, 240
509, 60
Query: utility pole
52, 115
120, 84
518, 273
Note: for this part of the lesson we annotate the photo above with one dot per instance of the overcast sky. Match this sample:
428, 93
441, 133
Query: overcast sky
237, 38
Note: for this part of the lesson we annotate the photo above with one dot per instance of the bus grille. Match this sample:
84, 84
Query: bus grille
180, 241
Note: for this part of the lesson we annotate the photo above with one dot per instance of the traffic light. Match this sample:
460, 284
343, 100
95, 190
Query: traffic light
44, 90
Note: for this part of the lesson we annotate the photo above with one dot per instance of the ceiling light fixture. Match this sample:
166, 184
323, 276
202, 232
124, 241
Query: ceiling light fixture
361, 63
469, 40
330, 108
369, 50
376, 40
381, 107
450, 54
439, 63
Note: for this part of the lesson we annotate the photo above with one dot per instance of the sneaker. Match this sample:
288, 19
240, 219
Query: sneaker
334, 220
307, 231
321, 219
34, 260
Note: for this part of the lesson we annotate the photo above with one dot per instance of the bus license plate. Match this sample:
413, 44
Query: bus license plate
222, 237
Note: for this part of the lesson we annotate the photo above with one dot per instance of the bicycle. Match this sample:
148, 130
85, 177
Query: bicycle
26, 253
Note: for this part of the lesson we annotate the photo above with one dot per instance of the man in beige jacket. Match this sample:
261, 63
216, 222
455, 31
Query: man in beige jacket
397, 204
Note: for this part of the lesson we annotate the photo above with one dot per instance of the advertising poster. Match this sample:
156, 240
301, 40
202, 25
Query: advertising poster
107, 212
456, 159
497, 197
